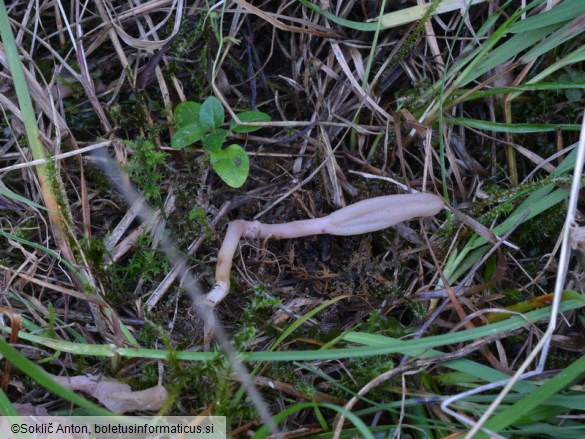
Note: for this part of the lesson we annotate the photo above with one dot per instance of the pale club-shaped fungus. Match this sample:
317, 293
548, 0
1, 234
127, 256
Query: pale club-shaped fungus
365, 216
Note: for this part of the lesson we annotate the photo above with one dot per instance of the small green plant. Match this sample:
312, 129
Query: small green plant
202, 122
573, 94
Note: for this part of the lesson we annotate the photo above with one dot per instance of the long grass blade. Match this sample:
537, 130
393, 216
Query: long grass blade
42, 378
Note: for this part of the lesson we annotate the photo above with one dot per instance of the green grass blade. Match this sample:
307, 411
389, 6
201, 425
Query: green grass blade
413, 347
392, 19
288, 331
46, 250
21, 87
567, 32
355, 25
484, 373
538, 86
506, 51
415, 13
484, 55
361, 426
6, 407
363, 429
464, 70
42, 378
9, 194
373, 49
299, 322
515, 128
560, 14
577, 56
552, 386
539, 201
336, 384
527, 35
569, 430
58, 213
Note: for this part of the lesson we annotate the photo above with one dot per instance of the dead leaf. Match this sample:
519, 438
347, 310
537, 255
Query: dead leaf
116, 396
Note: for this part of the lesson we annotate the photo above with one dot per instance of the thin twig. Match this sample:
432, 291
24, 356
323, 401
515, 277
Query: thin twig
191, 285
56, 157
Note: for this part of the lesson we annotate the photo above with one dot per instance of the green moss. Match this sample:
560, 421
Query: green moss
147, 378
145, 168
81, 120
214, 385
129, 114
502, 201
51, 318
148, 335
95, 253
199, 216
291, 374
144, 264
80, 364
385, 325
541, 232
188, 45
26, 230
387, 290
253, 318
362, 370
64, 212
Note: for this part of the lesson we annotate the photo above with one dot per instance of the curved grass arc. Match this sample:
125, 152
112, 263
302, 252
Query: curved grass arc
412, 347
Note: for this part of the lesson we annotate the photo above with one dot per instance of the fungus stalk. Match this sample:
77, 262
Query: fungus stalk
364, 216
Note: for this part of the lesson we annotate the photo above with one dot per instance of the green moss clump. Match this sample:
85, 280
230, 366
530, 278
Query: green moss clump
95, 253
386, 325
254, 318
145, 168
144, 264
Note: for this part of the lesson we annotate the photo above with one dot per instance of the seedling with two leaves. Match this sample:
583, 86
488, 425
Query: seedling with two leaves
203, 122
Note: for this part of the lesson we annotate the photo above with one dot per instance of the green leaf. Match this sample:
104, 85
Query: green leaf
212, 113
187, 113
464, 95
231, 164
249, 117
573, 95
213, 141
187, 136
